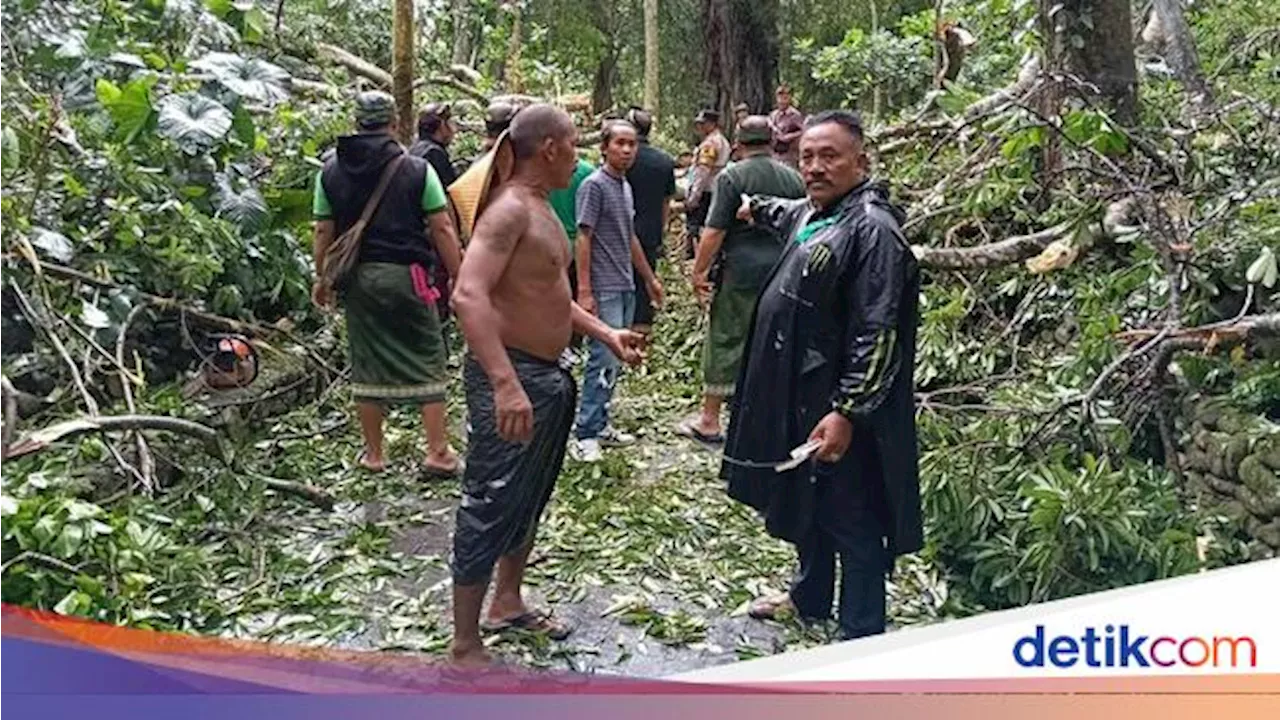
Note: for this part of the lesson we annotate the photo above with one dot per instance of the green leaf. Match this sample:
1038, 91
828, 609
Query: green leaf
242, 126
11, 157
195, 122
73, 603
130, 106
246, 208
249, 78
1263, 270
68, 541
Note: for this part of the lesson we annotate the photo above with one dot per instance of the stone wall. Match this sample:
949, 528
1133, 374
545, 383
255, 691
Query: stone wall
1232, 465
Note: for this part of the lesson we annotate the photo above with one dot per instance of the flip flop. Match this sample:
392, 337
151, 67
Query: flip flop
538, 621
688, 429
432, 472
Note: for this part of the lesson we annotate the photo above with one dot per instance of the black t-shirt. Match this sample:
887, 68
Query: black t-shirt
653, 180
438, 156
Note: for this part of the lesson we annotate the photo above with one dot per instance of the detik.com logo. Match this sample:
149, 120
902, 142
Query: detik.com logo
1119, 646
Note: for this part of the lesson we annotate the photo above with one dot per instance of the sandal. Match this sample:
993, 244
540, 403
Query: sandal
436, 472
769, 606
689, 428
538, 621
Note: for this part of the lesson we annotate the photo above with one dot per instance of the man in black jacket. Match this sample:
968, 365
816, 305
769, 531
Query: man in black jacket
829, 360
435, 131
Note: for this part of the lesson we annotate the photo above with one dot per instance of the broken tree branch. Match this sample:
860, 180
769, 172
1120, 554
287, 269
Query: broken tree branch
10, 417
356, 65
146, 463
164, 303
41, 439
1003, 252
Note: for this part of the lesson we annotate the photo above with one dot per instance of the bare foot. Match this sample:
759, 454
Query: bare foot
370, 462
469, 656
445, 463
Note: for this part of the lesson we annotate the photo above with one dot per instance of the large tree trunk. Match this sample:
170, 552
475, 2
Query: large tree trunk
461, 32
514, 78
402, 67
606, 77
1178, 47
1096, 39
651, 56
741, 53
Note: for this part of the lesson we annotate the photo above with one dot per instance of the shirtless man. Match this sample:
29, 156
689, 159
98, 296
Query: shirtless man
516, 311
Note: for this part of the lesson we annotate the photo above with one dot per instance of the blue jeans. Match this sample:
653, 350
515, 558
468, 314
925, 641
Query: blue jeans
617, 310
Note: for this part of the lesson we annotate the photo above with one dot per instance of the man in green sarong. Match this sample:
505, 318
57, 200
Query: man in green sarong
393, 329
746, 255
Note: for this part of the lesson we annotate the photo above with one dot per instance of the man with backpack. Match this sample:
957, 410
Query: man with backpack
379, 212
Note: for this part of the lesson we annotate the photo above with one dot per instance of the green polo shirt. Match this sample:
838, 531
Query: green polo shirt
563, 201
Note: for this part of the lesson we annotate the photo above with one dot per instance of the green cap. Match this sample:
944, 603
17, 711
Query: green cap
374, 109
754, 130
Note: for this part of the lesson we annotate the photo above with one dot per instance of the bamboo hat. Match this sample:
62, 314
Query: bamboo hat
473, 190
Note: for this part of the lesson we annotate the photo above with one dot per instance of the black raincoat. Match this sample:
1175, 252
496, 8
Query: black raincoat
833, 329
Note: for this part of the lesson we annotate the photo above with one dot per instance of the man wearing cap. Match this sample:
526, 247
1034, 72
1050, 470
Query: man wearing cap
393, 331
436, 130
744, 255
787, 123
653, 184
708, 160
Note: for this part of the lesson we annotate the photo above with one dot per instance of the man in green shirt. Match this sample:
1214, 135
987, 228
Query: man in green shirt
746, 255
389, 301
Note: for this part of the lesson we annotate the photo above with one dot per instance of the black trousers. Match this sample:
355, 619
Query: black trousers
850, 522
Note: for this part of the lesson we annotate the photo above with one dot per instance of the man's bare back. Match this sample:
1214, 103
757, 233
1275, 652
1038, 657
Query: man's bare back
532, 297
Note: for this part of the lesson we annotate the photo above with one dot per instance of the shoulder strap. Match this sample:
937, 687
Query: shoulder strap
387, 173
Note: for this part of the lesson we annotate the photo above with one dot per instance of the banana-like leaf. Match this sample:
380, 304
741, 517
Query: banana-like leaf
247, 77
246, 207
195, 122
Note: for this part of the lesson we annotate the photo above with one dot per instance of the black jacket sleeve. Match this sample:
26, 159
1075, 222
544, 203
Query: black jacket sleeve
872, 354
777, 214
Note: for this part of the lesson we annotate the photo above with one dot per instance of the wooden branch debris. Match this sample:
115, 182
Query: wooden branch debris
1004, 252
1210, 337
41, 439
164, 303
356, 65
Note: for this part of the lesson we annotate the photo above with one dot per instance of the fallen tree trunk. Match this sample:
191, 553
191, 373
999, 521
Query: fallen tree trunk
1004, 252
1211, 336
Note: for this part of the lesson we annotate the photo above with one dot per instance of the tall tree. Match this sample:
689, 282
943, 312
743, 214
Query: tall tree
651, 56
741, 52
402, 66
1094, 40
1178, 46
461, 32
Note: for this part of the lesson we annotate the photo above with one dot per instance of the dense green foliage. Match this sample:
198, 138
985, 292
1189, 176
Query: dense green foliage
164, 146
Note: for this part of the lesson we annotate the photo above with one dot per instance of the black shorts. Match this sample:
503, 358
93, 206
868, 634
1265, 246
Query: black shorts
506, 486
